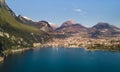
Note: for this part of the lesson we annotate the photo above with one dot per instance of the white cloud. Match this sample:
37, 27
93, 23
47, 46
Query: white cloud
78, 10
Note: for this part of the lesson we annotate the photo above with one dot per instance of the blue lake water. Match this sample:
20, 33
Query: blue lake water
62, 60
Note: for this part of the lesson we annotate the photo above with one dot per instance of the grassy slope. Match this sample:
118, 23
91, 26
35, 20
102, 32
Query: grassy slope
7, 17
10, 25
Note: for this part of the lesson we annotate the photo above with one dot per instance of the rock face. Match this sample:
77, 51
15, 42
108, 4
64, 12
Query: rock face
1, 48
1, 59
104, 30
5, 6
53, 25
25, 20
44, 26
2, 3
68, 23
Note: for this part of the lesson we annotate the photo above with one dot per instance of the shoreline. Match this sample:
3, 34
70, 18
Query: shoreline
86, 48
12, 51
20, 50
6, 52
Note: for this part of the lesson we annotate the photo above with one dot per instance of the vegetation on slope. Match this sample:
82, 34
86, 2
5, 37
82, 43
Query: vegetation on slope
14, 34
6, 17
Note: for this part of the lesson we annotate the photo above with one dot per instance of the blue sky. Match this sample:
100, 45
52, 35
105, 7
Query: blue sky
86, 12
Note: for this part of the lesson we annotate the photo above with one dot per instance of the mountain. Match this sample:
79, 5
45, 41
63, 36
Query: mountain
5, 6
25, 20
44, 26
68, 23
41, 25
100, 30
14, 34
104, 30
53, 25
102, 25
72, 28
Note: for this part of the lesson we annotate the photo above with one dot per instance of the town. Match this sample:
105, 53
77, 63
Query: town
88, 43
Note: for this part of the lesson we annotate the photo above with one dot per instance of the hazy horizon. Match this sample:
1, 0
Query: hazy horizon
85, 12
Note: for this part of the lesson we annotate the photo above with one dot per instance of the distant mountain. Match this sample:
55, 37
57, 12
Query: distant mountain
41, 25
103, 25
100, 30
14, 34
53, 25
71, 27
68, 23
44, 26
104, 30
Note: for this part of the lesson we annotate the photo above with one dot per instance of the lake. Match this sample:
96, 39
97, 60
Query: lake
62, 60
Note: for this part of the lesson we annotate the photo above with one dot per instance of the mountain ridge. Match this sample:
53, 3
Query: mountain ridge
101, 29
71, 27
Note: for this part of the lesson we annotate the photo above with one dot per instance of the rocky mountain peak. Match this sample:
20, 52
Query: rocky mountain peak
104, 30
102, 25
44, 26
44, 23
68, 23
